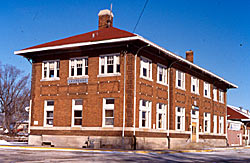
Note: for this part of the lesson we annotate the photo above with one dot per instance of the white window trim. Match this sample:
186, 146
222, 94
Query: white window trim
221, 96
78, 108
208, 90
48, 108
195, 82
105, 65
163, 112
107, 107
215, 98
221, 127
75, 68
182, 115
148, 110
55, 70
149, 71
208, 119
215, 124
183, 80
164, 69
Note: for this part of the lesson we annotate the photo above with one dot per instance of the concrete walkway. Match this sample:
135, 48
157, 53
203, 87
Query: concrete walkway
42, 148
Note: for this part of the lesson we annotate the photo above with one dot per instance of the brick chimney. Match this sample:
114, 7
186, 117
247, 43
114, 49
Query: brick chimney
190, 56
105, 19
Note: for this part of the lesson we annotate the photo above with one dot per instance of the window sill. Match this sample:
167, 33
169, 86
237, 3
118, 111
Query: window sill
215, 100
165, 84
149, 79
78, 77
109, 75
50, 79
110, 126
207, 97
48, 126
195, 93
180, 88
221, 102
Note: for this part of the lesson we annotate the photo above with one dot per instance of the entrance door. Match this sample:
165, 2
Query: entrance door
193, 131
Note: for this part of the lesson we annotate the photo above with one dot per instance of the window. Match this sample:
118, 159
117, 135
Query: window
221, 96
50, 70
180, 79
108, 112
215, 124
161, 74
48, 113
77, 112
78, 67
207, 122
146, 68
145, 114
194, 85
109, 64
206, 90
180, 119
215, 94
161, 116
221, 124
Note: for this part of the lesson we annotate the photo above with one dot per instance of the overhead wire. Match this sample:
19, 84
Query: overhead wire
140, 15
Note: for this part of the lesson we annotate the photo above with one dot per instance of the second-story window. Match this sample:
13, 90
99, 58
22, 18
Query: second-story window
206, 89
180, 79
161, 74
221, 96
215, 94
109, 64
194, 85
146, 68
78, 67
50, 69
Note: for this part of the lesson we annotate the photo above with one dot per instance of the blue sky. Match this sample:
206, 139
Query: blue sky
218, 31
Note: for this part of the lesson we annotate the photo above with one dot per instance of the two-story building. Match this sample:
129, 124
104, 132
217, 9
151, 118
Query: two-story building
114, 88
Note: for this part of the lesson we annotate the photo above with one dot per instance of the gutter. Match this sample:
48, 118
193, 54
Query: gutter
124, 98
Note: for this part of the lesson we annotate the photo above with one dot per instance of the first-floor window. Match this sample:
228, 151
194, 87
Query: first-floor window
108, 112
180, 118
77, 112
145, 114
215, 124
48, 112
207, 122
161, 116
221, 124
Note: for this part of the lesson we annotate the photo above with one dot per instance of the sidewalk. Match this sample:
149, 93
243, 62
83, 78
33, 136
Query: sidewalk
23, 147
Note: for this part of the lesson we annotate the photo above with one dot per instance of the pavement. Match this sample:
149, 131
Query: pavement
25, 146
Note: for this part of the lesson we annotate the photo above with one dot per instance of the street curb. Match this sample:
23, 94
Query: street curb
118, 151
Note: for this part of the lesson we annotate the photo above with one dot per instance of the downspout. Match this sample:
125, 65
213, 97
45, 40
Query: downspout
169, 68
30, 116
124, 98
135, 72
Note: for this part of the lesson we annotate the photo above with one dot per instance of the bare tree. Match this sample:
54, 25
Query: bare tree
14, 96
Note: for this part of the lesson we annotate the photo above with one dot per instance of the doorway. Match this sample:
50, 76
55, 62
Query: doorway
194, 132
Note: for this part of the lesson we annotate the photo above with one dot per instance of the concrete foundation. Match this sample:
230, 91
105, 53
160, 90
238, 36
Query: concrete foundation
126, 143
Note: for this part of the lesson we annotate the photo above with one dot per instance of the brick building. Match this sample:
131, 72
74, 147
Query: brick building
238, 126
111, 87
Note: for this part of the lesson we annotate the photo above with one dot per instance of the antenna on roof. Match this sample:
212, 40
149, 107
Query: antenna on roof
110, 18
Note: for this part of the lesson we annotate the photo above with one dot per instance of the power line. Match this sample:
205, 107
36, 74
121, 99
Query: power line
140, 15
